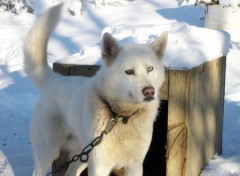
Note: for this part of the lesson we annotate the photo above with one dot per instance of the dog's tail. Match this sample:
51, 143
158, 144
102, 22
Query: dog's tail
35, 47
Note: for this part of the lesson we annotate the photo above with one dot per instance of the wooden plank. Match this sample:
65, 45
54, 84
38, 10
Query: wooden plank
84, 70
75, 70
63, 69
222, 73
177, 132
195, 122
164, 89
204, 119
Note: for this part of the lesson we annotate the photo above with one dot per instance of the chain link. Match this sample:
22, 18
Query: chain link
84, 155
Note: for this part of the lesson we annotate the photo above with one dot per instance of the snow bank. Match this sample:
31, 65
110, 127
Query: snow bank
222, 166
188, 46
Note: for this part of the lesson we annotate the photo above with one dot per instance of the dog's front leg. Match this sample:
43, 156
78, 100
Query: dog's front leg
99, 166
75, 169
136, 169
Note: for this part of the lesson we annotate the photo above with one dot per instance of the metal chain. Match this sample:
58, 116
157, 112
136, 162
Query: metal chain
84, 155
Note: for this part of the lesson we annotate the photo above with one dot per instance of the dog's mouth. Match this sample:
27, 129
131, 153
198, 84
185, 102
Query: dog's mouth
148, 99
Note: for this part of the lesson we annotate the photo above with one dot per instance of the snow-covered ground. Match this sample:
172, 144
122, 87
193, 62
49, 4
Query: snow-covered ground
79, 36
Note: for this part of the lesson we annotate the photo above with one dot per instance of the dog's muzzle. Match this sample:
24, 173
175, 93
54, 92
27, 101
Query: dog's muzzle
148, 93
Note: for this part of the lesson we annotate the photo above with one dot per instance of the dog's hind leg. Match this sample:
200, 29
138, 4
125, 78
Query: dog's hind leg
46, 142
40, 169
75, 169
44, 159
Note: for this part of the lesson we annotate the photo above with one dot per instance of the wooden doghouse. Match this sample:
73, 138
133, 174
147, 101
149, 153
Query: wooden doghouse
193, 103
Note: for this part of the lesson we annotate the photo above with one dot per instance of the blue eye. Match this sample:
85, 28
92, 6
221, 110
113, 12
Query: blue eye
130, 72
150, 68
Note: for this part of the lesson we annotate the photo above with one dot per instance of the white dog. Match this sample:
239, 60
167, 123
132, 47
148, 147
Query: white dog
72, 111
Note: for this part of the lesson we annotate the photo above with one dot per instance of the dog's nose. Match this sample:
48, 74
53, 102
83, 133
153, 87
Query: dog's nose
148, 91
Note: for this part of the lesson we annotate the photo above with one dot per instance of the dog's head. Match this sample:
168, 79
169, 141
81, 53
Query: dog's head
133, 73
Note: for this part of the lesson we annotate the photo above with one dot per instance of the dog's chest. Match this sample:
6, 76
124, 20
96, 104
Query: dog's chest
127, 142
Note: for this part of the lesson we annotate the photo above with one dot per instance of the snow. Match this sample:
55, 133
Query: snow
229, 2
78, 39
181, 35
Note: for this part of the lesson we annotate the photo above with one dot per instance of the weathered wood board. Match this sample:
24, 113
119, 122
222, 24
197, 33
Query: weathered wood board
205, 114
195, 117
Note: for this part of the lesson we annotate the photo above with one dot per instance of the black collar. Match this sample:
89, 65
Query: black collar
119, 116
124, 118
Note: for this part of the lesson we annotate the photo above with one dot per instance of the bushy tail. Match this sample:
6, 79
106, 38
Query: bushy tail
35, 47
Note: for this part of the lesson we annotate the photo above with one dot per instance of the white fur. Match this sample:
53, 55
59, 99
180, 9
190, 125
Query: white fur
71, 112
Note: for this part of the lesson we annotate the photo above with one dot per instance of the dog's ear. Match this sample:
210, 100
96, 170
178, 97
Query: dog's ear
110, 48
160, 44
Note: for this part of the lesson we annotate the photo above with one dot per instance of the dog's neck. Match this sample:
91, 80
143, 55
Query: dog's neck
121, 110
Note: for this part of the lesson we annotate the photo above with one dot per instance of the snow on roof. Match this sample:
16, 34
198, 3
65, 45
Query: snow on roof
188, 46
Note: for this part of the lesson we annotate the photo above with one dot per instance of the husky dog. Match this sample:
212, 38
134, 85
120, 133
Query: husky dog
72, 111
